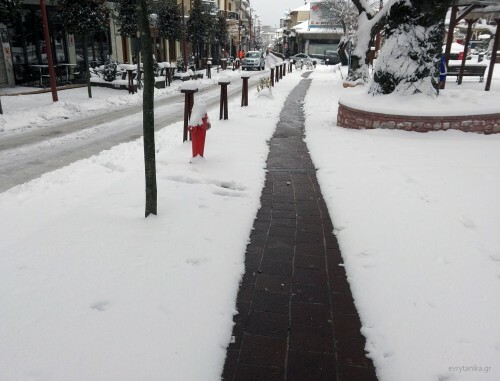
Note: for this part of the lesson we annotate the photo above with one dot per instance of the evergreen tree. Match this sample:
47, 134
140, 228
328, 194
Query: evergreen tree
201, 24
408, 62
221, 30
169, 20
83, 19
9, 10
126, 17
196, 26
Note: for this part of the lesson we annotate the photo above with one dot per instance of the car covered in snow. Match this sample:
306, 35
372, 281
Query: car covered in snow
253, 60
304, 57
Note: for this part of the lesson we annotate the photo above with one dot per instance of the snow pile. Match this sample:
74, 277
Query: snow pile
449, 102
90, 290
417, 219
197, 113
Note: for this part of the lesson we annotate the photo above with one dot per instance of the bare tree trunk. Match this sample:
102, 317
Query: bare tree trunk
148, 110
414, 37
86, 72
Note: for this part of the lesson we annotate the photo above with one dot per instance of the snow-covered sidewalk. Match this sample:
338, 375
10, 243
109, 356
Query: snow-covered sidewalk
90, 290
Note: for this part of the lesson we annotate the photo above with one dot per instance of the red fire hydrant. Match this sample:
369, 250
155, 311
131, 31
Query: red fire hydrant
199, 123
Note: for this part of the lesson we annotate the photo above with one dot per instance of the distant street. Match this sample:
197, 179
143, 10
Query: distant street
27, 155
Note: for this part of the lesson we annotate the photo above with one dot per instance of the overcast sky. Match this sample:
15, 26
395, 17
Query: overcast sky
270, 11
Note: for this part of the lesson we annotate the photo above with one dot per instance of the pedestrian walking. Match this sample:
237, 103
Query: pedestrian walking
442, 72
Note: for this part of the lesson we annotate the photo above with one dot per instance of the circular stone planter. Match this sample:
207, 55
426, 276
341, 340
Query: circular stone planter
467, 110
350, 117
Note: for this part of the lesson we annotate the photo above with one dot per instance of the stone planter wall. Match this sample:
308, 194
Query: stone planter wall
358, 119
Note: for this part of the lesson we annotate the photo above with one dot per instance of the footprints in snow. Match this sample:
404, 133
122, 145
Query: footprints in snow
219, 188
101, 305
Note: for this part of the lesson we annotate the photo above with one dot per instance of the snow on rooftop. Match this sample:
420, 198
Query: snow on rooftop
303, 8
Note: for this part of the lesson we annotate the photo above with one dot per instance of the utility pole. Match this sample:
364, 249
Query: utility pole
48, 50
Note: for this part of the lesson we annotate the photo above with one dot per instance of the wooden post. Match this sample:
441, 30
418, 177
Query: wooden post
188, 107
451, 29
277, 76
493, 57
244, 90
281, 71
223, 100
284, 69
466, 48
272, 76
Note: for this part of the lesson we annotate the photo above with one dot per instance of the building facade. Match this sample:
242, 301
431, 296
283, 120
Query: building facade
24, 47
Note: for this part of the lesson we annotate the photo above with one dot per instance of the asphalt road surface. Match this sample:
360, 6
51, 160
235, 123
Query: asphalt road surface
29, 154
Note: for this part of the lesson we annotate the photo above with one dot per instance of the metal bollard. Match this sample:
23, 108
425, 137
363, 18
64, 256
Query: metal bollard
209, 69
223, 99
244, 90
188, 107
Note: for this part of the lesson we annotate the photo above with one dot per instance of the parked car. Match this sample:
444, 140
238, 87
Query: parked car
304, 57
320, 58
253, 60
331, 57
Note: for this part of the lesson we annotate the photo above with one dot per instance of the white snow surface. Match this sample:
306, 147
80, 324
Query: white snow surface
90, 290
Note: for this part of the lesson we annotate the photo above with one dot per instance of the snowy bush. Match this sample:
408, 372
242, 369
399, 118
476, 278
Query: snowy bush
264, 88
264, 83
109, 71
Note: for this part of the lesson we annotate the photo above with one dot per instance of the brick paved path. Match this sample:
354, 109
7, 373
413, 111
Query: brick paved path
296, 320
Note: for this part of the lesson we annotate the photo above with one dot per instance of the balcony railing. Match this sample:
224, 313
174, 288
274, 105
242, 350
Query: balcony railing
230, 15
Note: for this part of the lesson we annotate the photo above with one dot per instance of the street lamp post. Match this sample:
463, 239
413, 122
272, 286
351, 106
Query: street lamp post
225, 17
250, 29
184, 53
239, 29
